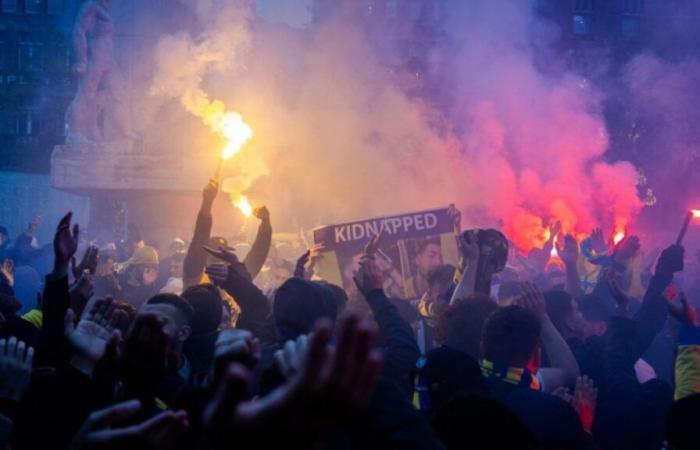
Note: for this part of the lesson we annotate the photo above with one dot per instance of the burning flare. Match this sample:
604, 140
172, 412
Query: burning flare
619, 236
696, 213
244, 206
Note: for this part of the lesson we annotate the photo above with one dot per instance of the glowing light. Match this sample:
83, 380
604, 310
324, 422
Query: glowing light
696, 213
230, 126
619, 236
243, 204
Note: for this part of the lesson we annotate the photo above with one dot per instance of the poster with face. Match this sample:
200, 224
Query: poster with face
412, 245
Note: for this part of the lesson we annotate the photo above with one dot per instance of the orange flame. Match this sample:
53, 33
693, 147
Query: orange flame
243, 204
696, 213
619, 236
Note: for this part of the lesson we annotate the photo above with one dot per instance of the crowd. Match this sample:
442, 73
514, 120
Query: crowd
582, 344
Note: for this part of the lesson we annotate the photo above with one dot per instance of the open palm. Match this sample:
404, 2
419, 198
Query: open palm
94, 330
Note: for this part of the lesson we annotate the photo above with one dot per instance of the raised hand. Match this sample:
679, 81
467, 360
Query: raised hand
598, 242
234, 345
217, 273
455, 216
626, 249
372, 247
532, 299
100, 432
15, 368
65, 244
310, 258
568, 250
262, 213
329, 387
684, 313
7, 272
554, 230
300, 268
80, 292
620, 297
289, 359
469, 249
89, 262
671, 260
368, 277
94, 331
584, 401
224, 254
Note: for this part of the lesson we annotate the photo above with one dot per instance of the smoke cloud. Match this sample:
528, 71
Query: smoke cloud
340, 135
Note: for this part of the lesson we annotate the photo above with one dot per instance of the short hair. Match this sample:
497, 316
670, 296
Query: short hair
460, 325
595, 309
205, 300
298, 304
510, 336
442, 274
559, 308
339, 294
182, 305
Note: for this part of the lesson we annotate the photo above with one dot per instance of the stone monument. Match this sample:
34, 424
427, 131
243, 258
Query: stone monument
101, 158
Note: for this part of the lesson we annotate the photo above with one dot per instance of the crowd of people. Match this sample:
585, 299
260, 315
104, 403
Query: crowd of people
581, 344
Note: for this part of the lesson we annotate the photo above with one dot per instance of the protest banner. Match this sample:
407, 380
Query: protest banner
412, 245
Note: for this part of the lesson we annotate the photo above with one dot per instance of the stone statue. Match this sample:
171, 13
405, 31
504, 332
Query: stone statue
93, 34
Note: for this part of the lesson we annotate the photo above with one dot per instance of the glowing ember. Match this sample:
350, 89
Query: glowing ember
244, 206
696, 213
619, 236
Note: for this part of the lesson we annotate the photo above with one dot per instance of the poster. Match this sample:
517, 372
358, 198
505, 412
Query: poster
412, 245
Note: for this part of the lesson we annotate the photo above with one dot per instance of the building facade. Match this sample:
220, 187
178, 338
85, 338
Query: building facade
36, 82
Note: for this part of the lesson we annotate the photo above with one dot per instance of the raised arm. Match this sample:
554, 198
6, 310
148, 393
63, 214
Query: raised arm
401, 351
257, 255
56, 298
564, 370
196, 257
568, 252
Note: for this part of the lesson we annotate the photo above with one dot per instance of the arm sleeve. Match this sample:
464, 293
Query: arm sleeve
196, 258
400, 347
55, 303
255, 259
256, 312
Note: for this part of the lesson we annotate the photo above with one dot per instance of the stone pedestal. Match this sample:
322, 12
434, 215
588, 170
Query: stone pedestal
126, 183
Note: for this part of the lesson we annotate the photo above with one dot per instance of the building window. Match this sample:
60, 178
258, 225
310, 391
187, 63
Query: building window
581, 25
30, 54
28, 122
633, 7
32, 6
9, 6
630, 27
54, 6
580, 6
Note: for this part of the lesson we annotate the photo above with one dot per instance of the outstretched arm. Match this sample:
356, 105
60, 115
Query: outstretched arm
255, 259
196, 257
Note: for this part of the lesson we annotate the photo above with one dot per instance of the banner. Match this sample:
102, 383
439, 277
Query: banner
412, 245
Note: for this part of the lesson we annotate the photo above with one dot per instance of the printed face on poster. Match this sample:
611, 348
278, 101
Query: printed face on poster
412, 245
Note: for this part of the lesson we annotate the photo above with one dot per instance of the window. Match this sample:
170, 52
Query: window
633, 7
28, 122
581, 25
54, 6
630, 26
30, 53
582, 6
32, 6
9, 6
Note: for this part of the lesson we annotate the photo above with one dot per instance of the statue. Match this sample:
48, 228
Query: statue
93, 34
